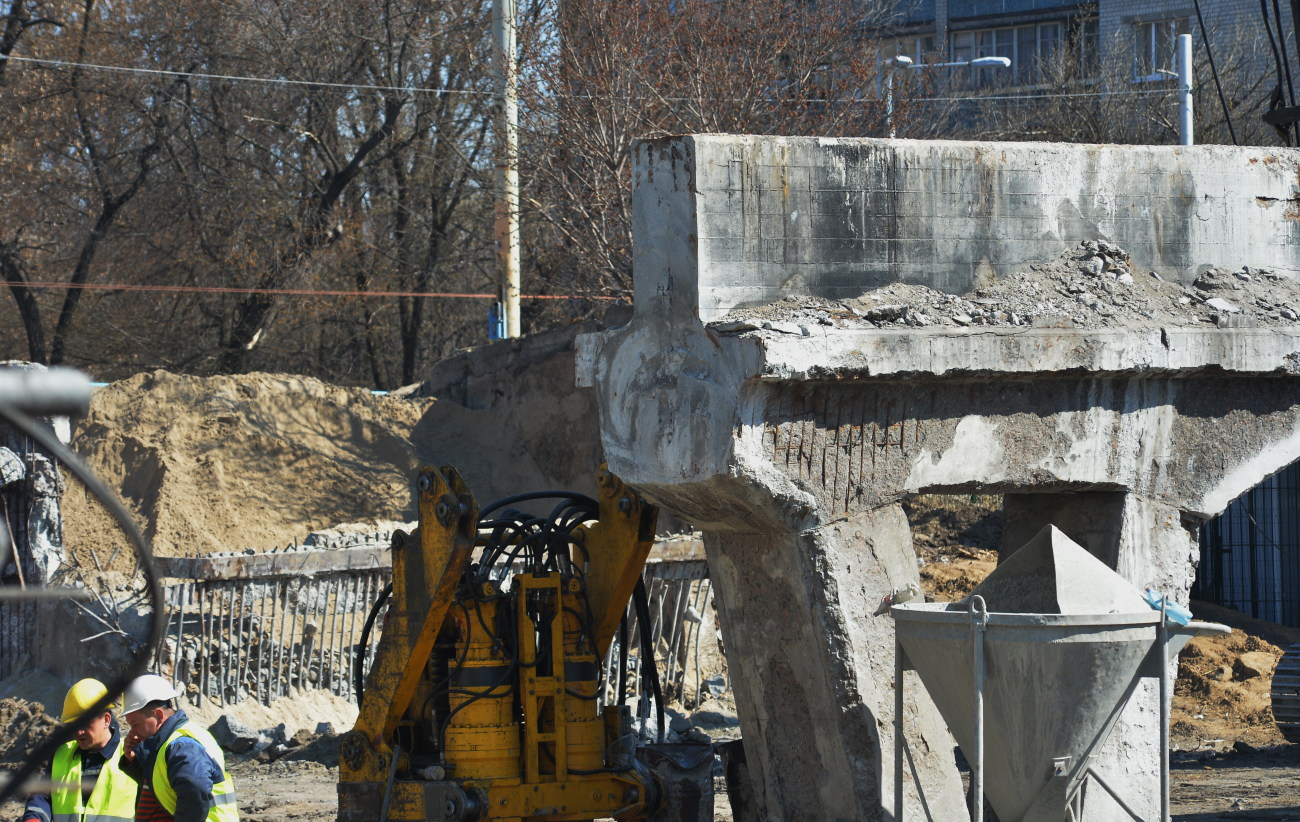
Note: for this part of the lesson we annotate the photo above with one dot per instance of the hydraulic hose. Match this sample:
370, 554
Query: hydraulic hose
363, 647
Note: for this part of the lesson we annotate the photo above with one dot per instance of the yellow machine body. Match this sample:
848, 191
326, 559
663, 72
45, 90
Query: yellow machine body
516, 731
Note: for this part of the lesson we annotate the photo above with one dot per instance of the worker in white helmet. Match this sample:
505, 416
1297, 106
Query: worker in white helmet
181, 769
87, 770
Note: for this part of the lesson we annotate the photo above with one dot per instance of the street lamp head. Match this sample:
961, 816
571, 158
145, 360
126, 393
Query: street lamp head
900, 60
989, 62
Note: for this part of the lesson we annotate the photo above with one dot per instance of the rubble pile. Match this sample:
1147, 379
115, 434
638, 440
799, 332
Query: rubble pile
24, 726
1095, 285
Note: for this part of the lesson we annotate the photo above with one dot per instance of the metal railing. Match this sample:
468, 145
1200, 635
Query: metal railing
267, 636
236, 639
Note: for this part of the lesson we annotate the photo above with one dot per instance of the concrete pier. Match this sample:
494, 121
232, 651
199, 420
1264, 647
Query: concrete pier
791, 450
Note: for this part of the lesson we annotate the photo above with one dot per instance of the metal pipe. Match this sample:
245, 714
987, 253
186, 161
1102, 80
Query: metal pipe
167, 615
675, 638
340, 625
229, 665
701, 608
245, 647
282, 649
979, 620
204, 633
182, 593
349, 629
1185, 90
898, 728
336, 631
1162, 641
321, 609
259, 666
323, 639
1119, 800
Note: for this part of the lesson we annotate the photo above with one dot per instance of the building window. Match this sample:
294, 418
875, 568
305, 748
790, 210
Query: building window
1029, 48
1154, 54
920, 48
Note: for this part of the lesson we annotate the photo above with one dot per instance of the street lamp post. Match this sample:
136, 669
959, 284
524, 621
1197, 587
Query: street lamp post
902, 61
894, 63
1185, 89
1183, 64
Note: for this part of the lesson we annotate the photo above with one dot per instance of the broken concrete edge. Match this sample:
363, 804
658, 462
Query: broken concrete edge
838, 354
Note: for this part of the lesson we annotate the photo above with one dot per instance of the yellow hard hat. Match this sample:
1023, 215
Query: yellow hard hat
80, 697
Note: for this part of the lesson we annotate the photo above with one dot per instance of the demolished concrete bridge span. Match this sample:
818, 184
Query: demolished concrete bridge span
790, 444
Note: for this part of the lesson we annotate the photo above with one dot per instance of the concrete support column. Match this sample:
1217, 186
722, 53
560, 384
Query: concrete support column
813, 672
1149, 544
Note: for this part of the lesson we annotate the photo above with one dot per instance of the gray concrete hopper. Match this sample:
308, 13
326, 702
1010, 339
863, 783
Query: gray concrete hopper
1031, 697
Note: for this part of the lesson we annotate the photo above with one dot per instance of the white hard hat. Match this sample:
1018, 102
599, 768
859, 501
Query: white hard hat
146, 689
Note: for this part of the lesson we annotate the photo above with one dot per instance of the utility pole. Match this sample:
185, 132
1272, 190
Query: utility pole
506, 229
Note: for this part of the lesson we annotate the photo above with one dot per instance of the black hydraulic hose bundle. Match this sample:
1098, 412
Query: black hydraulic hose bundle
543, 544
649, 671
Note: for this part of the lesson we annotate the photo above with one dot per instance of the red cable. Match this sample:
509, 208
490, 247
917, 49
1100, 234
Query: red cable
302, 292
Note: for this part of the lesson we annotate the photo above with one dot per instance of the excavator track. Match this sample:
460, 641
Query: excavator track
1286, 694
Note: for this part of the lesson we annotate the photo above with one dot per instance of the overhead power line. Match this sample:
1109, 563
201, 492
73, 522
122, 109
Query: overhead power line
237, 78
240, 78
303, 292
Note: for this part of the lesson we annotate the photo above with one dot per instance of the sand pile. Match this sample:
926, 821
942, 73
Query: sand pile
1222, 692
1095, 285
253, 461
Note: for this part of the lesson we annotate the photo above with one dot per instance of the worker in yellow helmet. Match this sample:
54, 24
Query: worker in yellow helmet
90, 785
181, 769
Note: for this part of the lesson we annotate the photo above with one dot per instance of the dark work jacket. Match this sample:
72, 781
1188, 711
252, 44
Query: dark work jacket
189, 767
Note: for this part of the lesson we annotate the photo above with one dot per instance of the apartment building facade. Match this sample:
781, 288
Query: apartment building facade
1032, 33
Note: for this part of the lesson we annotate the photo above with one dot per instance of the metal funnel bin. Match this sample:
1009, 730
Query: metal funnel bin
1031, 697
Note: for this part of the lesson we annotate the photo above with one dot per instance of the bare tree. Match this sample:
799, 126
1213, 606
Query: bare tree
604, 73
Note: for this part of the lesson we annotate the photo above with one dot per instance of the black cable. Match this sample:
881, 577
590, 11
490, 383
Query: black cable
473, 697
622, 660
1286, 61
532, 495
1276, 98
1295, 23
363, 647
144, 555
649, 670
1223, 101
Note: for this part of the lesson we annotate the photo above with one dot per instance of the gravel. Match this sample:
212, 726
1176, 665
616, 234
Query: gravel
1094, 285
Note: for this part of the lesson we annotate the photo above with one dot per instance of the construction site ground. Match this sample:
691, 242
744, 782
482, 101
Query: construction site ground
199, 459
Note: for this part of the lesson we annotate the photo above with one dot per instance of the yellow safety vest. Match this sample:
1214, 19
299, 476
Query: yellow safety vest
223, 793
111, 800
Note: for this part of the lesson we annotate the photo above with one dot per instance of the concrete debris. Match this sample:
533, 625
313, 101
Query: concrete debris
234, 735
1095, 285
23, 727
11, 467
